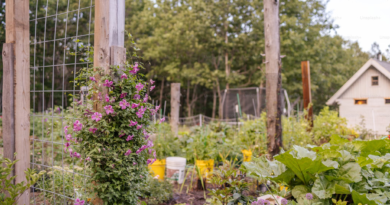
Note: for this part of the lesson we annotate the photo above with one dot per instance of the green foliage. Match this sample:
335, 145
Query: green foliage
328, 123
156, 192
253, 136
339, 168
166, 144
9, 192
201, 143
229, 185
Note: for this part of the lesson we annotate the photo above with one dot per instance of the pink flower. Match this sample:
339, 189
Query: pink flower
128, 152
139, 87
146, 98
149, 161
152, 81
132, 123
135, 69
141, 112
152, 111
162, 120
149, 144
134, 163
158, 107
108, 109
150, 151
93, 130
77, 126
152, 87
122, 135
68, 137
138, 151
154, 154
107, 98
88, 159
66, 129
130, 137
124, 104
139, 127
123, 76
67, 144
79, 202
134, 105
144, 132
100, 96
123, 95
108, 83
78, 155
96, 116
137, 97
92, 79
70, 151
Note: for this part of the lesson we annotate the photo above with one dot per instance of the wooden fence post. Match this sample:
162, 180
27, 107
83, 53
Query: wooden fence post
17, 90
273, 66
175, 107
306, 87
109, 40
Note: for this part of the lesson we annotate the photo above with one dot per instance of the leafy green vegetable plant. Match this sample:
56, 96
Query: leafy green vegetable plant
356, 171
229, 185
156, 192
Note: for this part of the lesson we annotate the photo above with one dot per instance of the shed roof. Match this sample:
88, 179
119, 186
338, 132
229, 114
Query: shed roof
381, 66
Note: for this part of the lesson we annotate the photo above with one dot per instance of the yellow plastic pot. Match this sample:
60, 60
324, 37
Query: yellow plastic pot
206, 167
158, 169
247, 155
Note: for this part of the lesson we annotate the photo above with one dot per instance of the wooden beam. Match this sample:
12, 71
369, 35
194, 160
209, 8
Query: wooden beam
175, 107
117, 23
8, 103
273, 76
18, 33
306, 87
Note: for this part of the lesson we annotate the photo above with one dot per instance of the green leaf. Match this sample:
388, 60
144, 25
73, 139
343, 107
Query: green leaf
362, 198
363, 161
350, 172
299, 192
337, 140
323, 188
342, 188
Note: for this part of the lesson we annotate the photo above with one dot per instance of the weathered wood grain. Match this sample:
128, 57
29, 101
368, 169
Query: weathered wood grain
306, 86
18, 33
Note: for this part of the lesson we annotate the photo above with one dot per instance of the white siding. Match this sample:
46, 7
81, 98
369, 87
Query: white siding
362, 88
375, 109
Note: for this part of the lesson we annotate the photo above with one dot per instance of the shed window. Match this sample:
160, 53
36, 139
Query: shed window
374, 80
360, 101
387, 101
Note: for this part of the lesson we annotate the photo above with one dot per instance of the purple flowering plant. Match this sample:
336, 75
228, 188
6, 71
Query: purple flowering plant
110, 134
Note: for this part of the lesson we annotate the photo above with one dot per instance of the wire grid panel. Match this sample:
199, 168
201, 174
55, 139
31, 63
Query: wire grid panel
61, 34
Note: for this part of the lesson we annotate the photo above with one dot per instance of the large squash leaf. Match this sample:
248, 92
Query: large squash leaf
324, 188
362, 198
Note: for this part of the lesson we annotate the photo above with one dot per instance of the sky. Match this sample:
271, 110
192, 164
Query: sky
365, 21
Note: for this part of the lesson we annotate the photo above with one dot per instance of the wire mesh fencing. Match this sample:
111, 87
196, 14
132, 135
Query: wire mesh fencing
61, 36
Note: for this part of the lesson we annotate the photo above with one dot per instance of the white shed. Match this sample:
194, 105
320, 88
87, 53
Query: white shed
366, 94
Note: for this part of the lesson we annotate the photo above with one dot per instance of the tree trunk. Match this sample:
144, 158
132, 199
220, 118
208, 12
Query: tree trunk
227, 70
214, 101
162, 91
220, 113
273, 78
188, 100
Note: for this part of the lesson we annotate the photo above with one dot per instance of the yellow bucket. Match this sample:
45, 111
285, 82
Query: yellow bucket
247, 155
206, 167
158, 169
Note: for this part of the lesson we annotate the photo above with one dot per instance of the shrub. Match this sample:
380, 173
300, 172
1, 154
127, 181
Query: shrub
156, 192
112, 135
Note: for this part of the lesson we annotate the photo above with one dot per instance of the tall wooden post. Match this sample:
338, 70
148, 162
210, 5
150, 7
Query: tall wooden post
273, 76
109, 36
175, 107
109, 40
306, 87
16, 89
